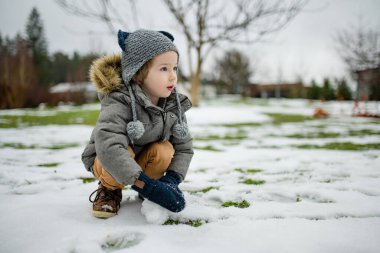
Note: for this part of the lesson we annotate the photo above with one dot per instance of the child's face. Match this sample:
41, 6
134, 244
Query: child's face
162, 76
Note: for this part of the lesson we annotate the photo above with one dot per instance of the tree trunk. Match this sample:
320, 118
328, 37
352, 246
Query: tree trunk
196, 80
195, 87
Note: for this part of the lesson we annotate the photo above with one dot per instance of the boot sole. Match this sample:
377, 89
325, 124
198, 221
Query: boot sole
104, 215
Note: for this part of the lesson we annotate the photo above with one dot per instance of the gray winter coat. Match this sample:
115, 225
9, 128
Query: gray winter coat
109, 140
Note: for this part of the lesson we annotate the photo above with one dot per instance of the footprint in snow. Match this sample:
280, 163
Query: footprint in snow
111, 242
118, 241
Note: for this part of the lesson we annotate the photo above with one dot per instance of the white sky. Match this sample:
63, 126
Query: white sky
305, 47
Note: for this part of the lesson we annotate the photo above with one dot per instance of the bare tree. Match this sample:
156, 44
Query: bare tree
104, 11
359, 48
232, 72
18, 80
207, 24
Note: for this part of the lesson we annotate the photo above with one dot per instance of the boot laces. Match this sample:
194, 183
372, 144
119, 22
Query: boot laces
106, 196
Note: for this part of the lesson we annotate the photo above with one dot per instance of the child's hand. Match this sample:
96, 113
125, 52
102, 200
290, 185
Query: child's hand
166, 194
139, 184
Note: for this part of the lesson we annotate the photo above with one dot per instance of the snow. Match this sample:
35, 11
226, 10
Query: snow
312, 200
217, 115
73, 87
107, 207
154, 213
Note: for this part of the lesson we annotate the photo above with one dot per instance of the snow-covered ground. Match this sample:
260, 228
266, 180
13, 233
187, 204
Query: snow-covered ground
300, 200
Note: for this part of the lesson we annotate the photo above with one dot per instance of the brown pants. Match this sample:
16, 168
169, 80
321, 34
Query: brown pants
154, 161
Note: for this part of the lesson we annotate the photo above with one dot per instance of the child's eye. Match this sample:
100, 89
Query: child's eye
164, 69
175, 68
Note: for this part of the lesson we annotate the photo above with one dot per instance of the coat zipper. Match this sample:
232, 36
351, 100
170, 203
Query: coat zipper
163, 129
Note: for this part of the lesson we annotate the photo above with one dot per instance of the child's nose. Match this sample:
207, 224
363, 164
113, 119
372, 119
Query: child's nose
173, 75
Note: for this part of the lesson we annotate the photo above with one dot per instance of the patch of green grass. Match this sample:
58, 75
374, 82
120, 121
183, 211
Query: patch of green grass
17, 146
208, 148
81, 117
320, 126
250, 101
227, 137
61, 146
242, 204
193, 223
207, 189
342, 146
362, 132
248, 170
48, 164
242, 124
242, 101
253, 182
254, 170
172, 222
53, 147
278, 118
204, 190
86, 180
314, 135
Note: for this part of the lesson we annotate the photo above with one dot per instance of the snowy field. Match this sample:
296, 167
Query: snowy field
265, 177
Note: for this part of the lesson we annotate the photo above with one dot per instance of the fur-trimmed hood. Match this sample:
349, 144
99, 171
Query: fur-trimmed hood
105, 73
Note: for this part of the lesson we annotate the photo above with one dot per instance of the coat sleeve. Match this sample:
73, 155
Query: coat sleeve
183, 153
89, 153
111, 141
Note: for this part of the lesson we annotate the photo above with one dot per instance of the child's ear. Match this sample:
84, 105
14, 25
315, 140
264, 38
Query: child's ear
122, 36
167, 35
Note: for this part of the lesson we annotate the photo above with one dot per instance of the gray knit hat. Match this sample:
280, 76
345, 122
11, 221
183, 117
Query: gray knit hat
138, 48
141, 46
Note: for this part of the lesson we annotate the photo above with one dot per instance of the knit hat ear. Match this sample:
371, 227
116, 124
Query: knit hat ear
167, 35
122, 36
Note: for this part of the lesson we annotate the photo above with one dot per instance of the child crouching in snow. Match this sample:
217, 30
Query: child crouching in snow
141, 136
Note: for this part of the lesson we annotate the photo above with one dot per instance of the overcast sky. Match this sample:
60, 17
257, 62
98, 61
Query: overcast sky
305, 47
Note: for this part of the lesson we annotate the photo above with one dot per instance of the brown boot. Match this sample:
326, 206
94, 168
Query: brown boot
106, 203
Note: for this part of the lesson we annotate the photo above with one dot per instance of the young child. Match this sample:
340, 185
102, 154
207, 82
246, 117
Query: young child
141, 136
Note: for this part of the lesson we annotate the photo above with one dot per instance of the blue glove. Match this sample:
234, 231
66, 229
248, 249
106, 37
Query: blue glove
163, 193
171, 177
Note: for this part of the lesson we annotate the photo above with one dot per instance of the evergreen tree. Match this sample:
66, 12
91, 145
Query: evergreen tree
60, 63
314, 92
327, 92
37, 45
343, 91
